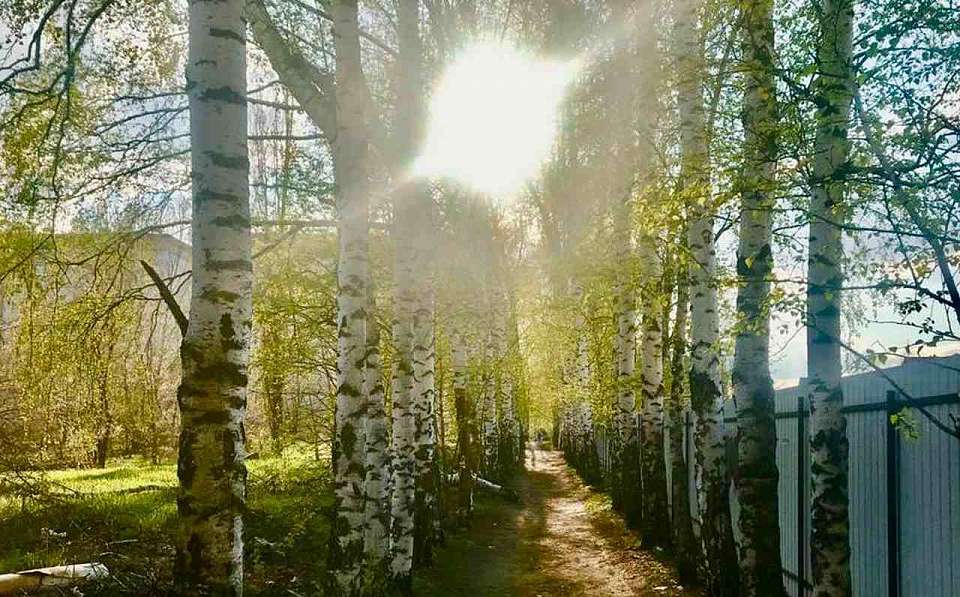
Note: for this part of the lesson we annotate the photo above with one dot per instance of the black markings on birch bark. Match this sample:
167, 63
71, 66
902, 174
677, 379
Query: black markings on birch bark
215, 348
720, 572
653, 464
756, 477
833, 89
350, 417
415, 525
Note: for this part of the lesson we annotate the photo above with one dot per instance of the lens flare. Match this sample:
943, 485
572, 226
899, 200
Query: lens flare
493, 118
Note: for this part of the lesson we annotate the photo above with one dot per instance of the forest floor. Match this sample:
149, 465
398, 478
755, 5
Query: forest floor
562, 538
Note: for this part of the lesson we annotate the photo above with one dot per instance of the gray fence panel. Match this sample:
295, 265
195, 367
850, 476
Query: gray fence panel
787, 446
930, 509
868, 505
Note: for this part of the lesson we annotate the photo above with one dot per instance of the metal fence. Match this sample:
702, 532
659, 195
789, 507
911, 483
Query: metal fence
904, 485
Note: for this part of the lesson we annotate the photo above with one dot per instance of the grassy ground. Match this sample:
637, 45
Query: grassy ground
125, 516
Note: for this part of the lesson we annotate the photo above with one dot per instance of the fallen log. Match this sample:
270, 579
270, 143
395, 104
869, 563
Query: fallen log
488, 486
54, 576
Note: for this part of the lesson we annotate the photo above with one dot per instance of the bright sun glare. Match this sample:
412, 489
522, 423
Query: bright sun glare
493, 118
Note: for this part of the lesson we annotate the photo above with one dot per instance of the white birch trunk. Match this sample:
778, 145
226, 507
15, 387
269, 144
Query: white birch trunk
757, 477
403, 481
489, 414
349, 441
414, 499
467, 464
215, 348
377, 475
626, 457
713, 477
427, 518
653, 464
834, 88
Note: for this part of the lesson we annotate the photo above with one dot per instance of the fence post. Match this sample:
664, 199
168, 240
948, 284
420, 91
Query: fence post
801, 498
893, 498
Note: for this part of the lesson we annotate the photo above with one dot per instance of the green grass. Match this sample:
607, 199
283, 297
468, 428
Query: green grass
125, 516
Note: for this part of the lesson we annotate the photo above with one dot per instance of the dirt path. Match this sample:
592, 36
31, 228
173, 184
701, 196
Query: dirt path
562, 539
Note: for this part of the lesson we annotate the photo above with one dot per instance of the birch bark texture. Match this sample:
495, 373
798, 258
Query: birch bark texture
465, 413
833, 89
349, 440
686, 554
626, 456
215, 348
415, 523
653, 503
720, 572
653, 473
757, 477
488, 409
377, 472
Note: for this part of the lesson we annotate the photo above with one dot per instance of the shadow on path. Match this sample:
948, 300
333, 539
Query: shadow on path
562, 539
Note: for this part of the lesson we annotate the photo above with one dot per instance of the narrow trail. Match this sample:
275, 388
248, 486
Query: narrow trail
561, 539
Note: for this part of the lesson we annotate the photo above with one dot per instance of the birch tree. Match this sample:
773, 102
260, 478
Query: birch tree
465, 413
712, 474
488, 408
415, 523
625, 490
349, 441
376, 539
685, 551
215, 347
833, 89
626, 477
653, 464
757, 477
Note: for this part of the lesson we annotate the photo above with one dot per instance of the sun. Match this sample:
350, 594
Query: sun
493, 118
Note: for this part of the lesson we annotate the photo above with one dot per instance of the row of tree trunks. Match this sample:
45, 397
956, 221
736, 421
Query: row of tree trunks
386, 516
754, 568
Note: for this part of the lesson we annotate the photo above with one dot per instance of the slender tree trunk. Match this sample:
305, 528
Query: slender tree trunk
215, 348
581, 390
377, 475
416, 219
416, 523
720, 572
349, 440
654, 531
427, 517
653, 501
490, 432
403, 480
757, 477
626, 477
465, 422
508, 449
685, 552
273, 387
830, 532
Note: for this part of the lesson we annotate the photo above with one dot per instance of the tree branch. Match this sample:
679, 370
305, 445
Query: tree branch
167, 297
